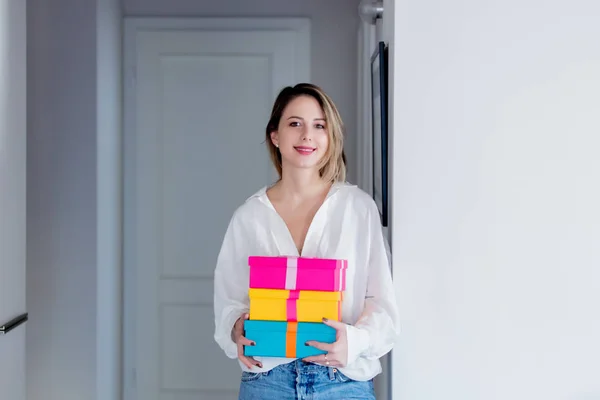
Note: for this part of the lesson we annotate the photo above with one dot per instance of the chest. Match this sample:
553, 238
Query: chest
331, 227
298, 220
329, 231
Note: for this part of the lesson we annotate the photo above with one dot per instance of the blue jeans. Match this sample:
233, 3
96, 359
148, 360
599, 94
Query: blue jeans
303, 381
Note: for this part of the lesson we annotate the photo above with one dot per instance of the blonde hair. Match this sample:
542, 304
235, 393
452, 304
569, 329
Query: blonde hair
333, 164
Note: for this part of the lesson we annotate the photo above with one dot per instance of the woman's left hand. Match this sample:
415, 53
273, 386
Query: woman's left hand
337, 352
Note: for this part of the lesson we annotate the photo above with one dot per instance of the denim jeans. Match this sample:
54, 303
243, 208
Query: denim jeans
303, 381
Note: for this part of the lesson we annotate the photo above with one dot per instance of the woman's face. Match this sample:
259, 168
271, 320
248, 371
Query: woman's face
302, 135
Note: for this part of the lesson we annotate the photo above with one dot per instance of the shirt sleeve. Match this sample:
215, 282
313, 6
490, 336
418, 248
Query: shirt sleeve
376, 330
230, 286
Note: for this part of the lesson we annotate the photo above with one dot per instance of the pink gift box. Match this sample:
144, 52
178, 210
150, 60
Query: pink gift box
297, 273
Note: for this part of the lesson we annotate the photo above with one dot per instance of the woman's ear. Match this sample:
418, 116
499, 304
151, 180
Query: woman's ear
275, 138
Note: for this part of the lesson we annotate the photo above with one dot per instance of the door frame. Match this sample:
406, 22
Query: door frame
131, 27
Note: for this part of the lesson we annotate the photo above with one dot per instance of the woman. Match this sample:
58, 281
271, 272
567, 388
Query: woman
309, 212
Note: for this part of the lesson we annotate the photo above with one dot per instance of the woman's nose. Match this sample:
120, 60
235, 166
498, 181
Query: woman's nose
307, 134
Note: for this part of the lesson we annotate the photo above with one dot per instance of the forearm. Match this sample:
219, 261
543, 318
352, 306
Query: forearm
372, 336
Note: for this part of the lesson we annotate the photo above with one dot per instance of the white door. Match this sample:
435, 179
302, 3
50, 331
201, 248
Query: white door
12, 199
198, 97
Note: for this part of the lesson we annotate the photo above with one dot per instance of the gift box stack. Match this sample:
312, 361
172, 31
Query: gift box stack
289, 297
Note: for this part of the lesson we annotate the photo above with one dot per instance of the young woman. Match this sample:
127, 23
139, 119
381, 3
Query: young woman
311, 212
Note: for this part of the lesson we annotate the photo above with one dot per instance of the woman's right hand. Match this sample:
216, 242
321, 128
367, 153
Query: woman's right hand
237, 334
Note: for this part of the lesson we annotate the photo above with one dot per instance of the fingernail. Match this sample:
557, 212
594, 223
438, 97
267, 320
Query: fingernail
259, 365
306, 344
325, 320
253, 344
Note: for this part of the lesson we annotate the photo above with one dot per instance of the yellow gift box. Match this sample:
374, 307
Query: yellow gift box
295, 305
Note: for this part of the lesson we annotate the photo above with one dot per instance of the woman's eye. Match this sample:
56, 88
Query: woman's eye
319, 126
295, 124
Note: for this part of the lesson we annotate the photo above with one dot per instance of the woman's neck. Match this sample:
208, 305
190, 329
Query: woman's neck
298, 185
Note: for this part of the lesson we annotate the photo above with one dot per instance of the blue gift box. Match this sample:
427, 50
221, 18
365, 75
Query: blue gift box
286, 339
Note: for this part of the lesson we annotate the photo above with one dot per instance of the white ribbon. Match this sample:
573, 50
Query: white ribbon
341, 275
291, 273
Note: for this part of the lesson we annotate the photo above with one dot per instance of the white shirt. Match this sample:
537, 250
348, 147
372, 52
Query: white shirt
346, 226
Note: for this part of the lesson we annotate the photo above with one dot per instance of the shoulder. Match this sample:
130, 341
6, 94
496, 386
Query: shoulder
363, 208
251, 209
359, 200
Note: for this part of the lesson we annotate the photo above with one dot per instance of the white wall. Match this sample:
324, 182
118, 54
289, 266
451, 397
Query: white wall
12, 195
495, 184
73, 116
109, 181
61, 199
333, 45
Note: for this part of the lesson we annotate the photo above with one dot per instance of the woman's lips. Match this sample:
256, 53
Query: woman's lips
304, 150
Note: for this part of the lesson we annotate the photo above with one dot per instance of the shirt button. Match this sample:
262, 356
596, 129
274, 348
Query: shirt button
334, 370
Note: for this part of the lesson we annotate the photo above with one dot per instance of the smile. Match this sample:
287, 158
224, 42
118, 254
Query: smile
305, 150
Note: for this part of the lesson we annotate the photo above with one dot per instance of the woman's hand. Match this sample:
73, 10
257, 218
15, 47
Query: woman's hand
337, 352
237, 334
